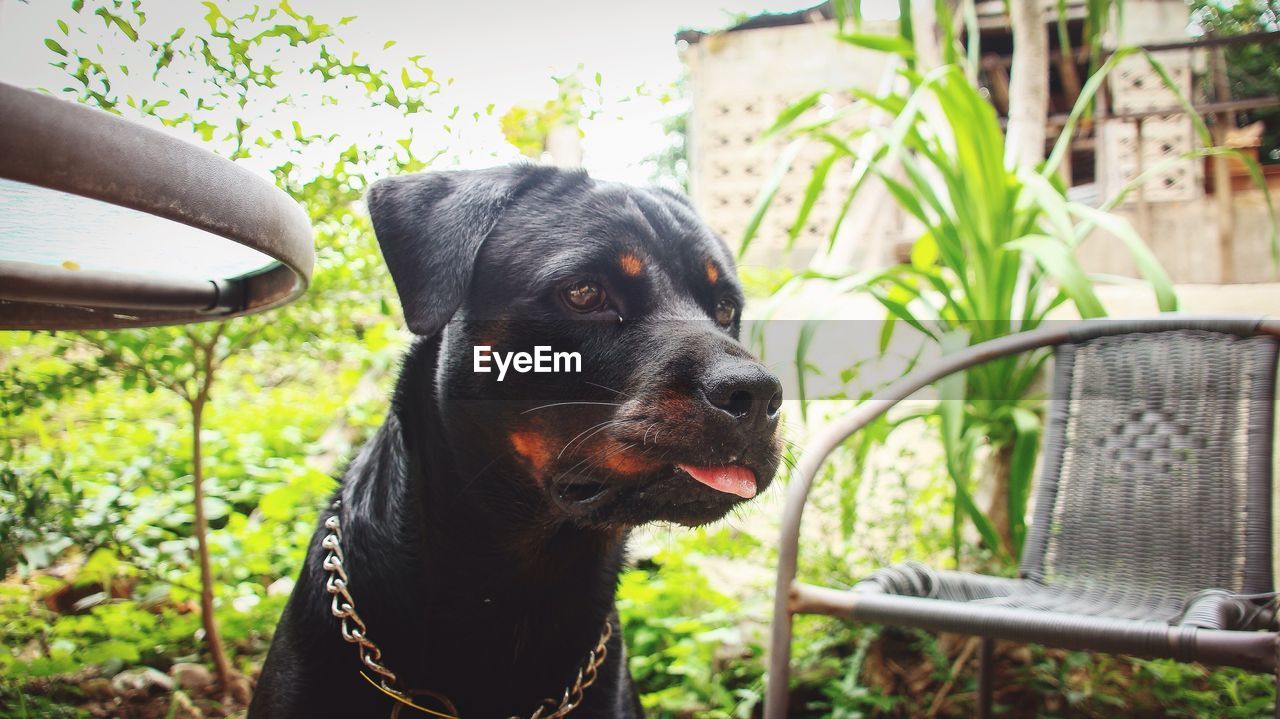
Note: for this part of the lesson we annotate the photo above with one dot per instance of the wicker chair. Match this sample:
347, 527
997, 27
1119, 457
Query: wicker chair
1152, 527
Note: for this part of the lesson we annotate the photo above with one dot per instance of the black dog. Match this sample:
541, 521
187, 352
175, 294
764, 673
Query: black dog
482, 528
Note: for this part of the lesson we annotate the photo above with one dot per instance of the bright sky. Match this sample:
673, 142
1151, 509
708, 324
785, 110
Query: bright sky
500, 52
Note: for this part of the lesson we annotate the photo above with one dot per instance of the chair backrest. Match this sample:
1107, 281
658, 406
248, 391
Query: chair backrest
1156, 473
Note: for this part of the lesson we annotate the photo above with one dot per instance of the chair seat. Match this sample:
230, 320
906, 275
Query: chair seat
1207, 608
1185, 642
1213, 626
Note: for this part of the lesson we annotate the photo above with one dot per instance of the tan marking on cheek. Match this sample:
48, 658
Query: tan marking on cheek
631, 265
533, 448
628, 463
611, 455
713, 272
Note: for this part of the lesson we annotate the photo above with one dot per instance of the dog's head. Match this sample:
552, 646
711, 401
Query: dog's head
664, 417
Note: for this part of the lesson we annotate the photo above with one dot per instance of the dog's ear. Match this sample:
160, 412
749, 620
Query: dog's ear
430, 227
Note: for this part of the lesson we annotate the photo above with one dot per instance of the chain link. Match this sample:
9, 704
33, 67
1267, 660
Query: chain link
343, 606
587, 675
354, 631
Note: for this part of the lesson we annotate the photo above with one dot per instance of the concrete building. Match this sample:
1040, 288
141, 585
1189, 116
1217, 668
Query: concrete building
743, 77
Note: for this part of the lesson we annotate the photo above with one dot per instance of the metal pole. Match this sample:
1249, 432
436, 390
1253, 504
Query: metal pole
986, 669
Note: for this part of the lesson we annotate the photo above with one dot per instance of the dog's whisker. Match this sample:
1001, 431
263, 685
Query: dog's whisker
656, 426
617, 392
595, 461
477, 475
590, 432
562, 404
592, 461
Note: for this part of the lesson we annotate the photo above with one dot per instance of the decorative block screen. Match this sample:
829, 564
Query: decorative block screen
741, 81
1137, 87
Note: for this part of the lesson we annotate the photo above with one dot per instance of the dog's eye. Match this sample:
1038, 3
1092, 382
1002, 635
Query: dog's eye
583, 296
726, 312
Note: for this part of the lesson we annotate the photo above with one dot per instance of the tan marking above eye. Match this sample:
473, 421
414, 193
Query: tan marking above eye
630, 264
713, 272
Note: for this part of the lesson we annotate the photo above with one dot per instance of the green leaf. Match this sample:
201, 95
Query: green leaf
110, 18
54, 46
387, 45
958, 442
900, 310
767, 193
791, 112
886, 332
817, 182
1197, 122
924, 252
1021, 468
1083, 103
846, 10
892, 44
1050, 201
807, 331
1148, 265
906, 29
1057, 259
984, 526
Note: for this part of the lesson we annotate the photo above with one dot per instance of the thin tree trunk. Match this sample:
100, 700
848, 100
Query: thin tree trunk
1028, 85
1024, 149
211, 635
998, 464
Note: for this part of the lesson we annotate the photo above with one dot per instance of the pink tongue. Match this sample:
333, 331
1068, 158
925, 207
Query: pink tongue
730, 479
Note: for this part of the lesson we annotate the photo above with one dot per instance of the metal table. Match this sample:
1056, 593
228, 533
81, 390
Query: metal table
105, 223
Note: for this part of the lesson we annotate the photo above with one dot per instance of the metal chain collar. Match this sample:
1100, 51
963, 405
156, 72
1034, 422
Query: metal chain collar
355, 632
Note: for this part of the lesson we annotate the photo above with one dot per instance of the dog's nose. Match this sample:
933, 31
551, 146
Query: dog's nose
746, 392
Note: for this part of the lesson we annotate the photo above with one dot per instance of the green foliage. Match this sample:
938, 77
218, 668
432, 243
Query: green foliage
1193, 691
1251, 68
672, 163
221, 84
997, 253
684, 646
96, 469
996, 256
527, 126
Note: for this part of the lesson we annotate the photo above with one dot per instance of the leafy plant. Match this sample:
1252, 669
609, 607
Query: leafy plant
684, 646
212, 82
1250, 67
997, 255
